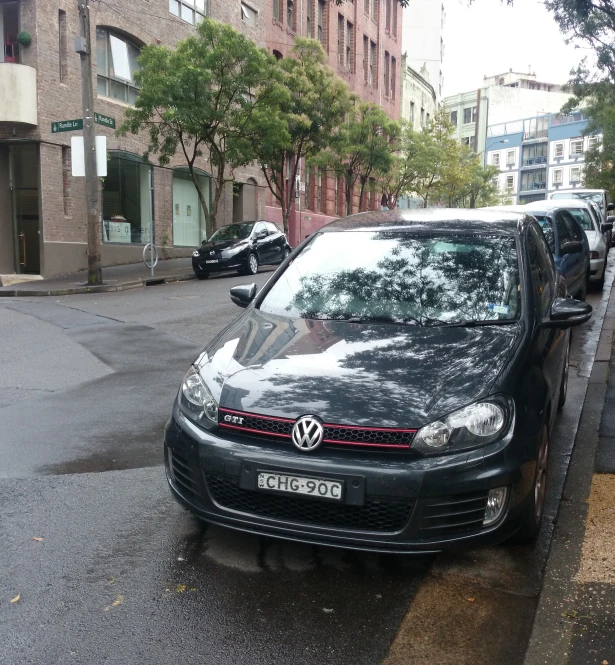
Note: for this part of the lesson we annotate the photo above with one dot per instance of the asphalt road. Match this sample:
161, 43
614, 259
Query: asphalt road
123, 575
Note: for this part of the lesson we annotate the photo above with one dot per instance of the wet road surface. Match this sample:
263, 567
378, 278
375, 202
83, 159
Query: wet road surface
124, 575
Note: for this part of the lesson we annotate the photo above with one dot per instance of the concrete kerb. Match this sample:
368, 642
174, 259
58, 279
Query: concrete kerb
102, 288
551, 633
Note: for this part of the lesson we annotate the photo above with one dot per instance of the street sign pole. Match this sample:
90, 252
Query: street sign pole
92, 184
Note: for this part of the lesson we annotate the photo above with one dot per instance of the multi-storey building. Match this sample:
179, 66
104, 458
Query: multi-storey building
362, 40
42, 206
418, 97
500, 99
424, 23
539, 155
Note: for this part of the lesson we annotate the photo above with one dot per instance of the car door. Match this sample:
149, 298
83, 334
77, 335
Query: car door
550, 349
278, 242
571, 265
263, 243
582, 257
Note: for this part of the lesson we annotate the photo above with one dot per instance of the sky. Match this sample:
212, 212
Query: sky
489, 38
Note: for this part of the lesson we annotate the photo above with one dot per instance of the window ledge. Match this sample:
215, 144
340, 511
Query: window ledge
115, 101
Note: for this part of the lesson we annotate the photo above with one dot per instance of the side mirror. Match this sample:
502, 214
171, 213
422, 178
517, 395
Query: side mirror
571, 247
244, 294
610, 206
610, 219
261, 234
566, 313
607, 227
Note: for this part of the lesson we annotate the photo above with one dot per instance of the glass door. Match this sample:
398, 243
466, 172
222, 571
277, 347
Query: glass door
23, 165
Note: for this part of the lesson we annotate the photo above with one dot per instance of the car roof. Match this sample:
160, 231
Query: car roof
582, 190
433, 219
547, 206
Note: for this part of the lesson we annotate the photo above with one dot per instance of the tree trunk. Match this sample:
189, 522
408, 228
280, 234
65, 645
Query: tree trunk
363, 181
204, 204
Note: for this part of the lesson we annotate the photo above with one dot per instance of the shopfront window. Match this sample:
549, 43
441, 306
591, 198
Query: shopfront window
127, 200
188, 216
116, 64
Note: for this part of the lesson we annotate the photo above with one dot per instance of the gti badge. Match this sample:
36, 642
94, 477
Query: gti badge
233, 419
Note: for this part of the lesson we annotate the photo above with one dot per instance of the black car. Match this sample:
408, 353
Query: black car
242, 247
392, 387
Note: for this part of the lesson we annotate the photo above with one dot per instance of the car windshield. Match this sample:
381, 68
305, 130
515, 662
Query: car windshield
583, 217
232, 232
596, 197
393, 277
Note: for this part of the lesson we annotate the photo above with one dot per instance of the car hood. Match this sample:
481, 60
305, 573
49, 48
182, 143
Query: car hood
219, 245
353, 373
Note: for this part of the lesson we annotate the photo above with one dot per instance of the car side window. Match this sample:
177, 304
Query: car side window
541, 268
260, 227
575, 230
547, 228
563, 229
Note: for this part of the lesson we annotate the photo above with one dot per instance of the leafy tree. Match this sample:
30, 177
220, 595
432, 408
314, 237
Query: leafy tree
217, 93
309, 117
364, 146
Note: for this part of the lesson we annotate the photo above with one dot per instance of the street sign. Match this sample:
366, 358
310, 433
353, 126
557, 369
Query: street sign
66, 126
104, 120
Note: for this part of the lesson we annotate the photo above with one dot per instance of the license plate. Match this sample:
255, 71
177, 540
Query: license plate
212, 261
280, 482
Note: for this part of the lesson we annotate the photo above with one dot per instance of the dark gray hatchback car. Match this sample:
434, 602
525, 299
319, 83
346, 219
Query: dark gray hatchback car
392, 387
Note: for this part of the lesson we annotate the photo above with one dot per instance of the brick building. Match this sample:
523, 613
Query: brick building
42, 207
362, 39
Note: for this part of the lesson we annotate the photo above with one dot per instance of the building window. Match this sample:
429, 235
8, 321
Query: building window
387, 66
575, 174
277, 10
467, 115
474, 114
372, 64
127, 199
188, 216
116, 63
373, 8
308, 18
576, 147
422, 117
592, 142
393, 77
366, 6
322, 9
454, 118
534, 154
411, 112
290, 14
387, 15
510, 183
558, 150
510, 158
340, 39
495, 159
63, 45
66, 175
533, 180
248, 15
394, 18
558, 176
365, 59
349, 46
427, 120
191, 11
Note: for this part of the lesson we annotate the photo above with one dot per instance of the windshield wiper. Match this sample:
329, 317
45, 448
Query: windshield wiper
409, 321
475, 323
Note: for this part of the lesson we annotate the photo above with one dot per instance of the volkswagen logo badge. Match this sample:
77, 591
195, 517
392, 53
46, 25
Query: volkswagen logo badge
308, 433
212, 252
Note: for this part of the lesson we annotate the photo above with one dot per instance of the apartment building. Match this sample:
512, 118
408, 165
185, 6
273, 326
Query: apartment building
362, 40
418, 97
539, 155
42, 206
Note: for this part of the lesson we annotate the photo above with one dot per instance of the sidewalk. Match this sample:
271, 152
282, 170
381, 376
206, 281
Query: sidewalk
575, 619
115, 278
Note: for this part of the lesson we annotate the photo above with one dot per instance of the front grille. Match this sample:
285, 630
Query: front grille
453, 514
380, 513
183, 475
281, 428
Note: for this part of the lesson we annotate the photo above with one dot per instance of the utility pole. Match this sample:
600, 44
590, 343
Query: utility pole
92, 184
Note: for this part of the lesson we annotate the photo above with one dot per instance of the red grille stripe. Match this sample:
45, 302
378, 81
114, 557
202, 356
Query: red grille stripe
373, 429
371, 445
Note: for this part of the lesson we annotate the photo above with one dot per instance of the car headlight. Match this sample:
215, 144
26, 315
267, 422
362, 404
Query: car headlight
471, 427
196, 253
196, 401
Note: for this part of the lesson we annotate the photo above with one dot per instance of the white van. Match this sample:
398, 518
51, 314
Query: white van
598, 196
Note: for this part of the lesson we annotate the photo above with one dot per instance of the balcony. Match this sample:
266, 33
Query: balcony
536, 135
18, 101
532, 186
535, 161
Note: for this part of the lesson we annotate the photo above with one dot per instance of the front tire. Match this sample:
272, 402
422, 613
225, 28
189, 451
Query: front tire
563, 390
251, 267
531, 518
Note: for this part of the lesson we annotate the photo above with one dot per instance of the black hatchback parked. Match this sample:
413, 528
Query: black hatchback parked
242, 247
392, 387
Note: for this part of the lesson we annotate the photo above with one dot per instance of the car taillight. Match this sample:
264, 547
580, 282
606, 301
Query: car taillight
594, 255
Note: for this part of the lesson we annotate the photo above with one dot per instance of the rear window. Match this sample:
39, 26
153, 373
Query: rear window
419, 279
583, 218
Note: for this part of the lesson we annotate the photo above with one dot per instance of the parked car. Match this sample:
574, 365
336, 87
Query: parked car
397, 394
600, 197
606, 228
243, 247
566, 239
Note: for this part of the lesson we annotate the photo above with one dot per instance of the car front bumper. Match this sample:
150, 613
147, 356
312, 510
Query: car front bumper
596, 269
204, 264
399, 503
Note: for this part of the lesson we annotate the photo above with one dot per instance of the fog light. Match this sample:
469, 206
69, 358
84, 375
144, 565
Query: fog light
496, 502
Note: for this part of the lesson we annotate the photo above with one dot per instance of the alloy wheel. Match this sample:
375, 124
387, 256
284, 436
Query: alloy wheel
253, 264
540, 484
566, 368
